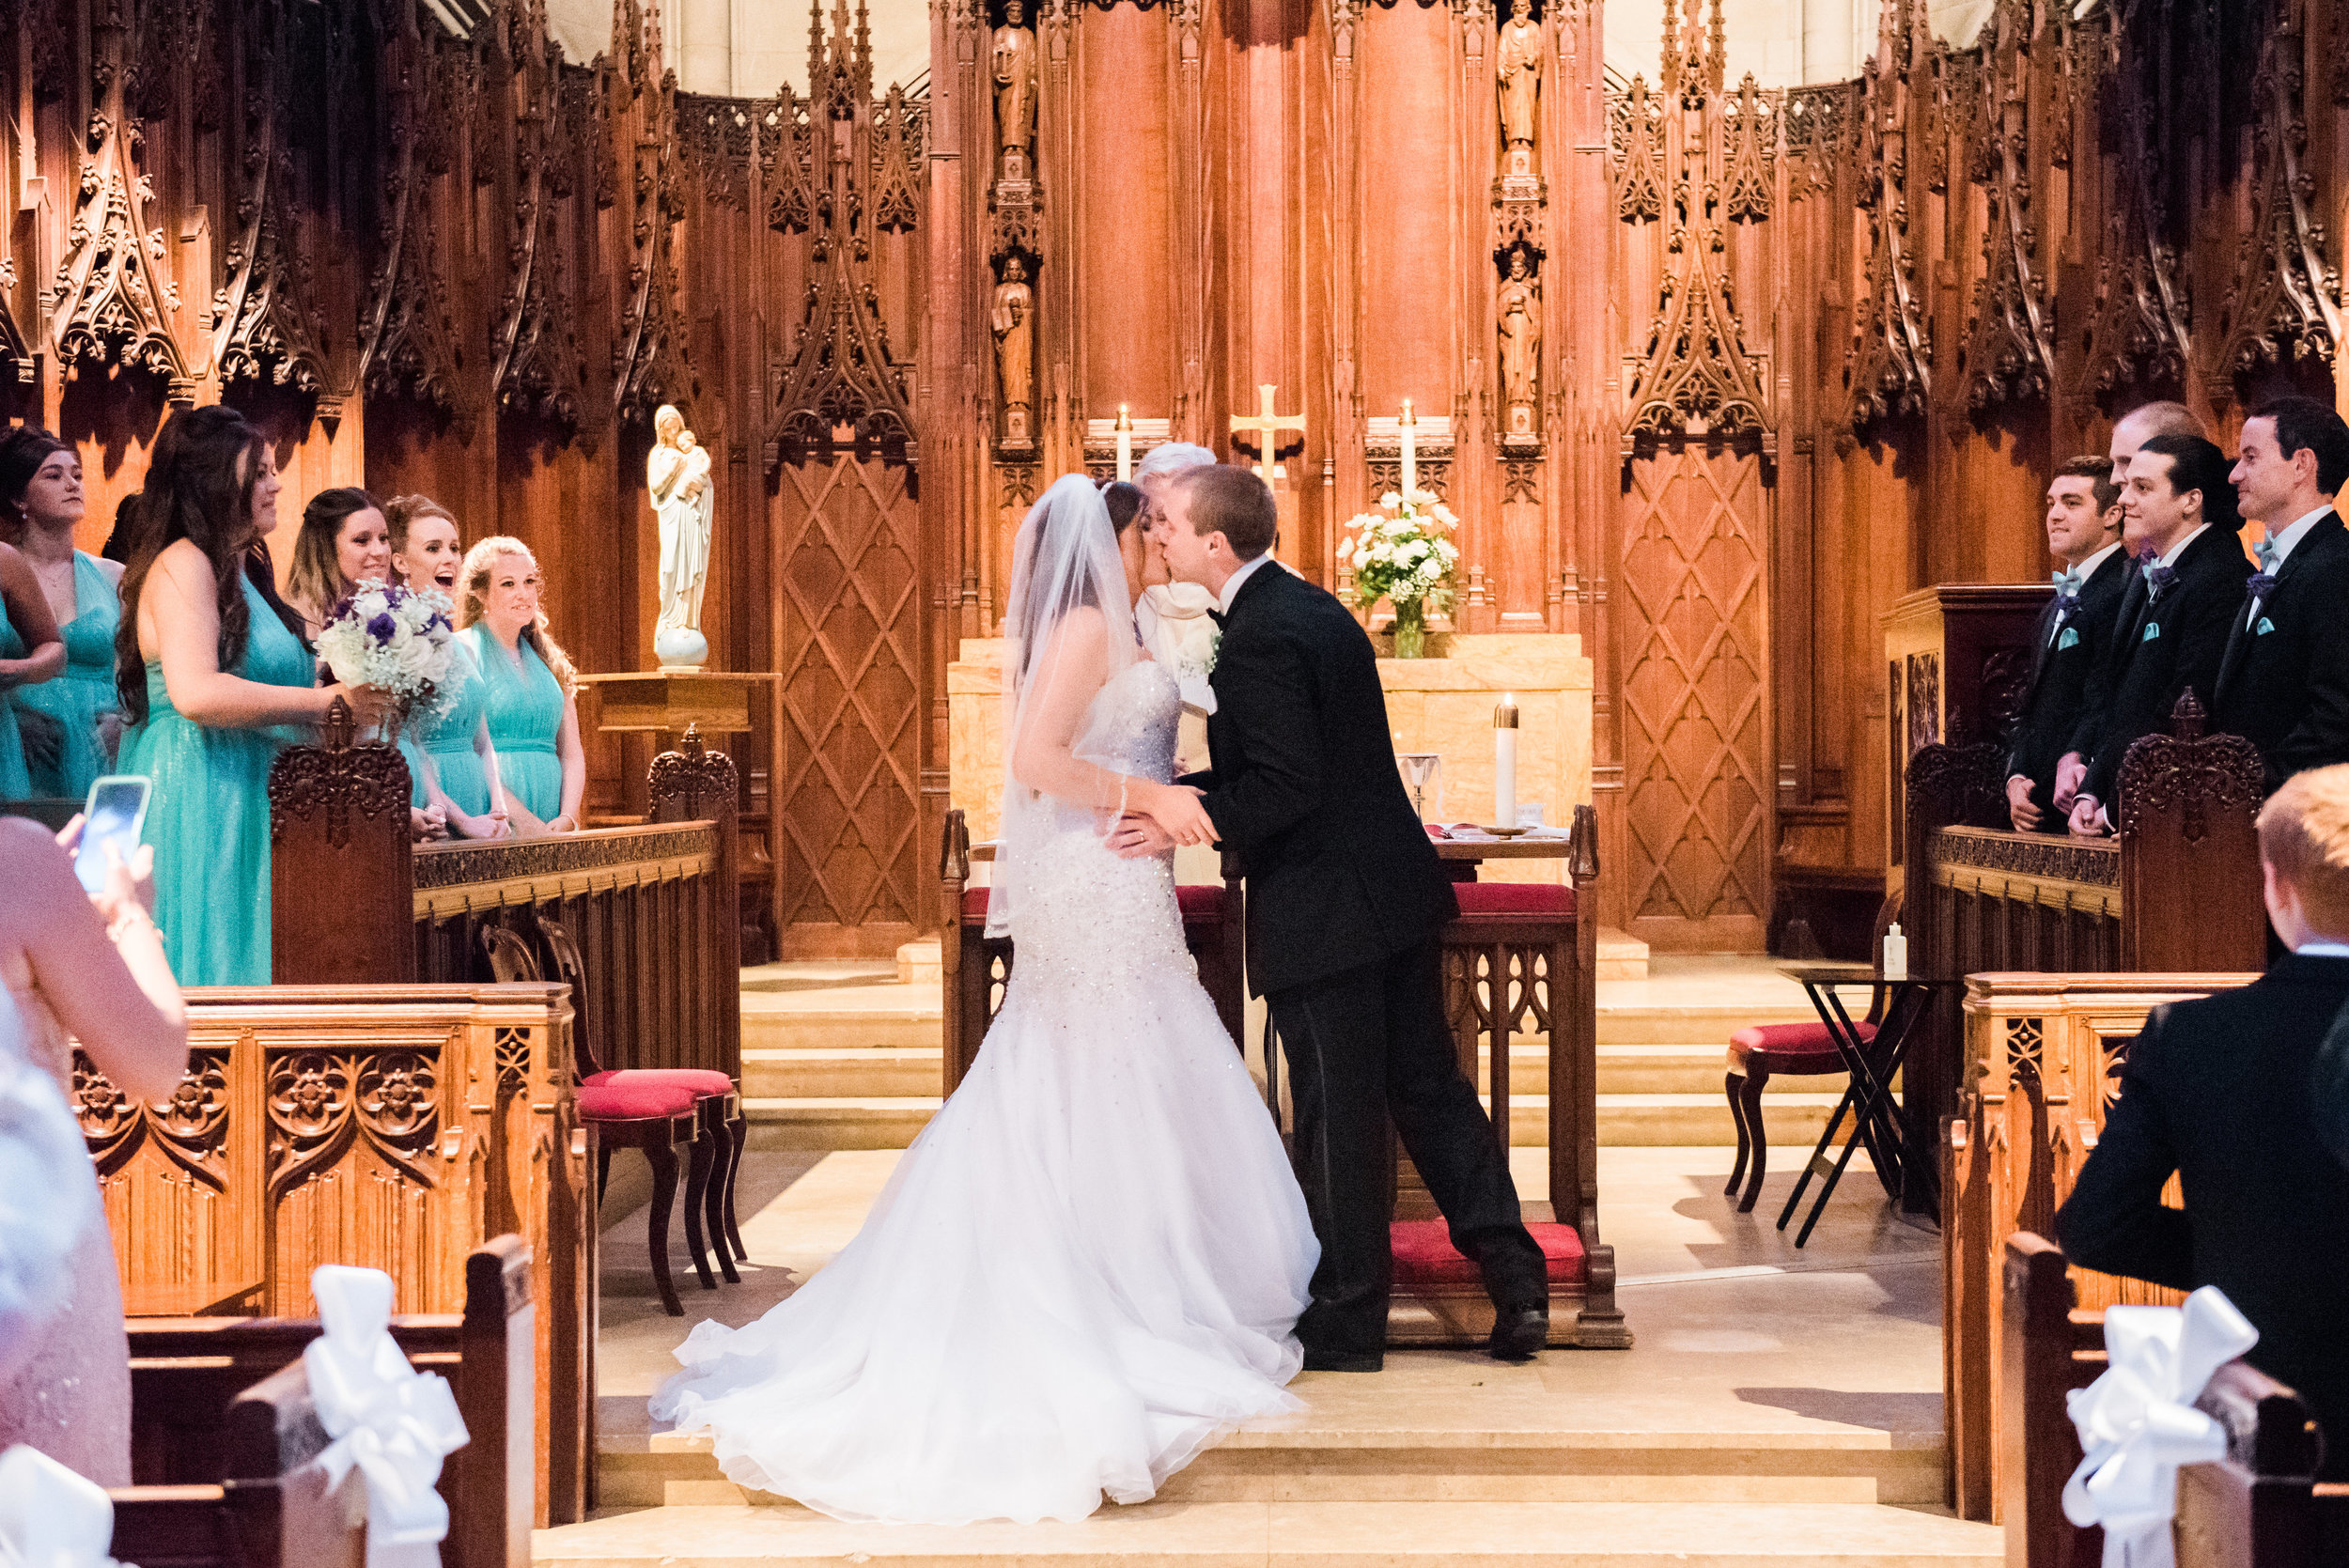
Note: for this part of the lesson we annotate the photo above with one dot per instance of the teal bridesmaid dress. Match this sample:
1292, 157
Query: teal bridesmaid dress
525, 709
86, 691
448, 741
15, 782
208, 817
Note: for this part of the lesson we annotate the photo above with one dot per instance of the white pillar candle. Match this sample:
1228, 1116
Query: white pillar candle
1410, 450
1125, 444
1505, 762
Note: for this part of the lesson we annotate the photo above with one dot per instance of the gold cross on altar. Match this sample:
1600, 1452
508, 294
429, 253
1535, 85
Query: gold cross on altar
1265, 426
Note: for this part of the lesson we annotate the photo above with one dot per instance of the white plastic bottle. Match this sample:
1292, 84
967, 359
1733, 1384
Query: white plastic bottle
1895, 954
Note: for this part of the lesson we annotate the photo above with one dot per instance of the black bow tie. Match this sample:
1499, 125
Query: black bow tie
1216, 615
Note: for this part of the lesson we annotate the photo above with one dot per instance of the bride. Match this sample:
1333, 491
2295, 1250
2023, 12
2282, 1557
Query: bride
1090, 1264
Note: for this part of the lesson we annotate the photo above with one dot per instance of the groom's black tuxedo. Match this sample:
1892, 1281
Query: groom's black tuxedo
1345, 897
1305, 788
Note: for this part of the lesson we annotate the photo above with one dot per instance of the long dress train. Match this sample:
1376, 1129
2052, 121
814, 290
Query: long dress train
1088, 1267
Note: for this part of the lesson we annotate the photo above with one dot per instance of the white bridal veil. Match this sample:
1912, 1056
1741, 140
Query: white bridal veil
1064, 561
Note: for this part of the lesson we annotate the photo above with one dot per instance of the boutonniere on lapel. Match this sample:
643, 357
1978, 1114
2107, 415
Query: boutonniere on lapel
2070, 639
1196, 659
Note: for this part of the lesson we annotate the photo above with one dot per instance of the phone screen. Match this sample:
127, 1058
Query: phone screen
116, 812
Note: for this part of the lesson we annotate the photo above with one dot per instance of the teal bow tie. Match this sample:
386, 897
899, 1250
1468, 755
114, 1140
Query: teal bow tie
2067, 583
2265, 550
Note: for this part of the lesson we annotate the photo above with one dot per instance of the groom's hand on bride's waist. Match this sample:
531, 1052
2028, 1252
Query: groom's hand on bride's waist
1134, 836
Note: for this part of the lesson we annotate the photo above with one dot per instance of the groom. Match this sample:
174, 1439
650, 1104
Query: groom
1345, 897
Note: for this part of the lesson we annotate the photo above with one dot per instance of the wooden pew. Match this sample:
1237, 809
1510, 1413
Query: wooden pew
187, 1375
2258, 1507
2178, 889
273, 1507
393, 1126
2044, 1054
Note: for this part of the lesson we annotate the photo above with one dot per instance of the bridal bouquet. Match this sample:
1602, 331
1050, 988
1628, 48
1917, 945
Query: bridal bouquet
396, 640
1402, 553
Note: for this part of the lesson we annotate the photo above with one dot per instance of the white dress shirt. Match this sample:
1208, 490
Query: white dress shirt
2169, 556
2320, 948
1231, 583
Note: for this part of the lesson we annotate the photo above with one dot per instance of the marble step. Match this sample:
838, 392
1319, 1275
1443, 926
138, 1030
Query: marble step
795, 1072
880, 1017
1646, 1120
1440, 1463
1698, 1023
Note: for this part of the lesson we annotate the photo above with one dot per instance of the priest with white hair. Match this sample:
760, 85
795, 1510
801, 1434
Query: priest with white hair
1173, 617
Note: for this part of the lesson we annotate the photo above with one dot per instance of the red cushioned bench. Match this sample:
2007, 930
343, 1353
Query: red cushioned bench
974, 967
1519, 959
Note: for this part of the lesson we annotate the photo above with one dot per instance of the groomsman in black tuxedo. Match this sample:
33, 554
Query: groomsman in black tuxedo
2283, 684
2174, 621
2084, 532
2239, 1095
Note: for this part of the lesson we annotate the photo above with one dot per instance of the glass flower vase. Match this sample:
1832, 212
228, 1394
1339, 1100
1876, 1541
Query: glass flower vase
1410, 630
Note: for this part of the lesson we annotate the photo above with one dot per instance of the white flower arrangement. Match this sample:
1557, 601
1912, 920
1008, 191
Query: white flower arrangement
396, 640
1402, 552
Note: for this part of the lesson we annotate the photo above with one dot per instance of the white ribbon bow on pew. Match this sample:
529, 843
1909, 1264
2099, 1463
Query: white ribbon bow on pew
394, 1423
2138, 1424
50, 1516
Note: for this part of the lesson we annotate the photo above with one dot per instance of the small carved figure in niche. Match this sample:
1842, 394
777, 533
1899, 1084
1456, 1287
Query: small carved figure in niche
1520, 317
676, 472
1015, 93
1013, 321
1520, 72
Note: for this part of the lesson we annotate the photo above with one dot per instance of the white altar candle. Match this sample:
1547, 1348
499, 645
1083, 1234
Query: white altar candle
1505, 762
1125, 444
1410, 454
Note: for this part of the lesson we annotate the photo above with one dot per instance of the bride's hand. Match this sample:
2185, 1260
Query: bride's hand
1177, 809
1134, 835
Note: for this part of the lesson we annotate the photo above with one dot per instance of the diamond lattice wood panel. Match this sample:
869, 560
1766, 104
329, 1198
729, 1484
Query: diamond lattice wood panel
847, 640
1690, 620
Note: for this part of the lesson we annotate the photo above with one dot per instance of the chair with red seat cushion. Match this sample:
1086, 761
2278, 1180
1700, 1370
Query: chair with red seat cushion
710, 1226
1789, 1050
654, 1117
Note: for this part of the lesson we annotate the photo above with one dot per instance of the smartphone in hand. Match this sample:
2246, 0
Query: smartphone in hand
115, 813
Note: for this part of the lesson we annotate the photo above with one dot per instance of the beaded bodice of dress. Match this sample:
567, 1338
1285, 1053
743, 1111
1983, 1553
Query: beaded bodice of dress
1085, 913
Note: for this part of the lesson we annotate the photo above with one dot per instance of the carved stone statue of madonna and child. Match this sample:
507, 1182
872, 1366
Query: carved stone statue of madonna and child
676, 472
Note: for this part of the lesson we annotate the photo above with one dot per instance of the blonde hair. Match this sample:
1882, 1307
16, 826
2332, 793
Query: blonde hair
2304, 833
402, 512
315, 580
473, 593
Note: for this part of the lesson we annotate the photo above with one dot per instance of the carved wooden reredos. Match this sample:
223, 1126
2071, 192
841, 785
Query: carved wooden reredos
1712, 372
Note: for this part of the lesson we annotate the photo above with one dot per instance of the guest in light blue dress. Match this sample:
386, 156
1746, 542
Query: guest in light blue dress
31, 652
451, 762
533, 711
70, 725
216, 680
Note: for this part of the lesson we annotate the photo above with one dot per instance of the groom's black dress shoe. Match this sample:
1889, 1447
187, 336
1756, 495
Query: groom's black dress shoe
1339, 1360
1518, 1333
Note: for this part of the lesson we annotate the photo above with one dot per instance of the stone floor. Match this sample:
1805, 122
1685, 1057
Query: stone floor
1779, 1407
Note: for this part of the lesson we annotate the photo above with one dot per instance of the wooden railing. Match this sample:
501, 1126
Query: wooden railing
2178, 889
2044, 1054
652, 906
397, 1127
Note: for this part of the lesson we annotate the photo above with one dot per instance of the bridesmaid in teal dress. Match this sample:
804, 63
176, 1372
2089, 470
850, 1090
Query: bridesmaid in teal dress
31, 652
70, 725
215, 681
532, 713
450, 758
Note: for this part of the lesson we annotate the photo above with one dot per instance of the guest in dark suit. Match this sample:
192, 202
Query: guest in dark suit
1346, 898
2084, 532
2174, 621
2221, 1091
2283, 684
2131, 431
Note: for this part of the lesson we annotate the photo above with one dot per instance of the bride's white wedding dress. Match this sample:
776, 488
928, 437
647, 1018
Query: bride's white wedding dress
1086, 1268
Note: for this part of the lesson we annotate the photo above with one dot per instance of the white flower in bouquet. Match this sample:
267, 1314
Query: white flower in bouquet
1402, 553
395, 640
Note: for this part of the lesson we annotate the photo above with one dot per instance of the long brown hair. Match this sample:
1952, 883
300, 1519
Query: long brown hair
315, 580
199, 488
472, 595
23, 451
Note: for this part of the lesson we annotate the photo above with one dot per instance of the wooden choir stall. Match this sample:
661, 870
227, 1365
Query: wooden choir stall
390, 1104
